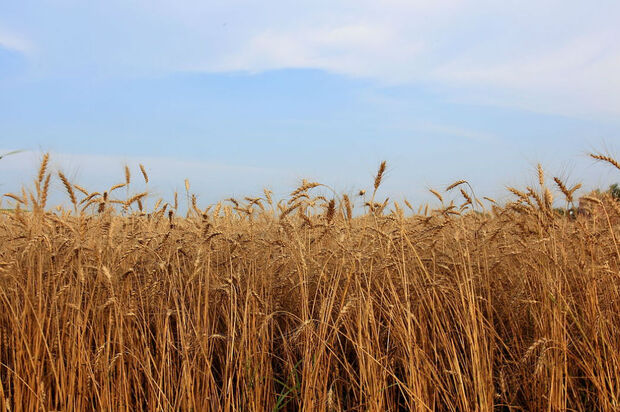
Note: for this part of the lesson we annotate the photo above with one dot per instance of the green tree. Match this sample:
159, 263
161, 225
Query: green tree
614, 191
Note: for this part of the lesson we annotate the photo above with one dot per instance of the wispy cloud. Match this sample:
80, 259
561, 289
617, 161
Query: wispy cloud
575, 75
355, 50
458, 132
13, 42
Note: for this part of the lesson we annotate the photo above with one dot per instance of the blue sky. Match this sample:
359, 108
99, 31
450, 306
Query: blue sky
239, 95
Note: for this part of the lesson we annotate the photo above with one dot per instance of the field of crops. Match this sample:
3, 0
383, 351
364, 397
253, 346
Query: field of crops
318, 302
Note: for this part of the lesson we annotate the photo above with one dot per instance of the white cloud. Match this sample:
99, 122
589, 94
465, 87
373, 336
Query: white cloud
576, 77
458, 132
356, 50
14, 42
553, 56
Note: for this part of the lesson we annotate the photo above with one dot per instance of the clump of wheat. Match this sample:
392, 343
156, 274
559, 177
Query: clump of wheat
257, 303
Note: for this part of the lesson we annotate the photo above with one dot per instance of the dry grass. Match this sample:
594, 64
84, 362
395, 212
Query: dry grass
305, 304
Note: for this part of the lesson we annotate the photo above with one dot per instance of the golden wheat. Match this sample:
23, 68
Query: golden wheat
127, 175
606, 159
68, 188
144, 175
455, 184
305, 306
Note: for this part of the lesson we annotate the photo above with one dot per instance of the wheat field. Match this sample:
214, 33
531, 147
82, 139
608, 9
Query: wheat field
318, 302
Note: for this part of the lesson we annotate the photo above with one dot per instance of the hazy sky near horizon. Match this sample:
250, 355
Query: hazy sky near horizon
238, 95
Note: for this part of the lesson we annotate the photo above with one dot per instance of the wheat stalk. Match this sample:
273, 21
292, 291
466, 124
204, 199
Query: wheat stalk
81, 189
348, 207
15, 197
43, 168
379, 175
117, 186
455, 184
466, 196
606, 159
68, 188
541, 175
304, 187
437, 194
331, 210
135, 198
548, 196
46, 186
127, 175
567, 194
144, 175
537, 198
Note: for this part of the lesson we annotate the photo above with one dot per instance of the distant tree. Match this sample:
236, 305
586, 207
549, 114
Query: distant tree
570, 212
614, 191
